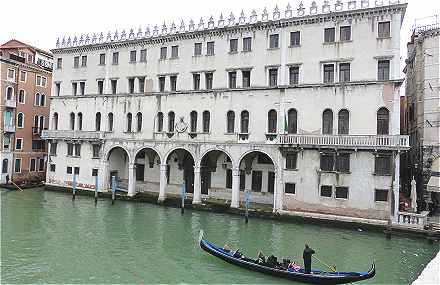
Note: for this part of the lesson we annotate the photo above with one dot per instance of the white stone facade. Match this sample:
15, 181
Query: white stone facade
213, 158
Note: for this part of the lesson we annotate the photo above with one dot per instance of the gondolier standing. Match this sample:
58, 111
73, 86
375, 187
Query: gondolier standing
307, 256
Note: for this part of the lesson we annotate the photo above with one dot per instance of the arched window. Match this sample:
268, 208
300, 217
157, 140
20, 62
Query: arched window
41, 123
98, 122
5, 166
139, 122
343, 122
206, 120
42, 100
244, 122
160, 122
37, 99
193, 121
21, 96
72, 121
20, 120
292, 123
171, 122
9, 93
129, 122
383, 121
110, 122
80, 121
327, 122
230, 122
272, 121
36, 120
55, 121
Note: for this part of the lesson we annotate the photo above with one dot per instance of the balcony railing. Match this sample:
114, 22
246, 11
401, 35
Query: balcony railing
10, 104
73, 135
9, 129
352, 141
413, 220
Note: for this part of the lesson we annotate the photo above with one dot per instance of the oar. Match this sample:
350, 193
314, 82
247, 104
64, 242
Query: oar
331, 268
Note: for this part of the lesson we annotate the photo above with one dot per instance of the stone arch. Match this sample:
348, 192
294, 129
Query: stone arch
167, 154
214, 175
182, 164
108, 152
258, 150
136, 151
119, 161
234, 162
147, 161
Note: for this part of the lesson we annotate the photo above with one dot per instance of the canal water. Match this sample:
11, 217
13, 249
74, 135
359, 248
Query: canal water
48, 238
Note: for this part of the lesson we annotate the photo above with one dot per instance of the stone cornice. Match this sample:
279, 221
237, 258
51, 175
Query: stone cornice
23, 65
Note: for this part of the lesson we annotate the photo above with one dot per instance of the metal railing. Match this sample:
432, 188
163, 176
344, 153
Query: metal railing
73, 135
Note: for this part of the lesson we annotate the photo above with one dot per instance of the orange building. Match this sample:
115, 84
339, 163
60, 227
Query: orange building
25, 88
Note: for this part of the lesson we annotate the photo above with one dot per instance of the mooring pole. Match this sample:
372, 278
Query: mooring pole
113, 189
96, 189
183, 193
73, 187
246, 203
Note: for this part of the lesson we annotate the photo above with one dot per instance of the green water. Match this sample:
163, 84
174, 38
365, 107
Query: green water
47, 238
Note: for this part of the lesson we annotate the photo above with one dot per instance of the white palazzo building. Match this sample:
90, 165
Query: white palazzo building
300, 106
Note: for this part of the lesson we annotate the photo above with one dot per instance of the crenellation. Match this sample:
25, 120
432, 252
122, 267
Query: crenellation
265, 15
289, 13
276, 13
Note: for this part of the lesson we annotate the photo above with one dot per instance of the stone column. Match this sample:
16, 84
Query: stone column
235, 200
104, 176
163, 182
131, 180
197, 199
278, 192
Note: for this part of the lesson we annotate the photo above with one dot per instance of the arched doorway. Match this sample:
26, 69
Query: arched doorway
216, 174
147, 162
180, 168
118, 162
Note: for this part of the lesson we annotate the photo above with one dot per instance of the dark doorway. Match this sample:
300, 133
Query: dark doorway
140, 170
270, 181
242, 180
188, 174
257, 177
206, 179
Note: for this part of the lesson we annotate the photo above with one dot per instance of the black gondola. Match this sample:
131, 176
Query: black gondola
317, 276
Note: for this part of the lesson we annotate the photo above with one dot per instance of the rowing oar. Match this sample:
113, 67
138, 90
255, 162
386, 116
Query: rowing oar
331, 268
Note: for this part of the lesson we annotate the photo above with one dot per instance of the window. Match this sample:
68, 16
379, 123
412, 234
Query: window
343, 122
329, 35
295, 39
23, 76
74, 88
293, 75
233, 45
174, 51
292, 125
193, 121
110, 122
82, 87
345, 33
84, 61
10, 93
11, 74
196, 81
257, 177
94, 172
161, 83
173, 82
380, 195
230, 122
383, 30
244, 122
139, 122
21, 96
326, 191
143, 56
160, 122
382, 164
80, 121
343, 162
59, 63
344, 72
327, 122
52, 168
232, 79
274, 41
17, 165
383, 121
57, 88
228, 178
327, 161
329, 73
98, 122
100, 87
291, 158
72, 121
115, 58
55, 121
41, 164
197, 49
273, 77
210, 48
131, 85
208, 80
102, 59
77, 149
206, 119
246, 75
171, 118
129, 122
5, 166
69, 170
247, 44
53, 148
163, 53
289, 188
76, 62
96, 149
141, 84
383, 70
20, 120
272, 121
114, 83
133, 56
76, 170
341, 192
18, 144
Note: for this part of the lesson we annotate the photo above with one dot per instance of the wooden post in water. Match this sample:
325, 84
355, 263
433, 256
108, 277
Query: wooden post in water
247, 197
73, 187
96, 189
113, 189
183, 194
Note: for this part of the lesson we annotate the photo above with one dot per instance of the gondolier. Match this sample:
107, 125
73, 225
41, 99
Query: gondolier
307, 256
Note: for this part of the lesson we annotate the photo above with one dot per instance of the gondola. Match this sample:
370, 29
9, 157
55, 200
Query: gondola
316, 277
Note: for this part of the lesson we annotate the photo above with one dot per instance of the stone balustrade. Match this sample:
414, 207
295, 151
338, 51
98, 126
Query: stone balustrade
73, 135
10, 104
413, 220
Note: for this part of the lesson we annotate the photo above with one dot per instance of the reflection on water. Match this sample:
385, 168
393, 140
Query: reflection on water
47, 238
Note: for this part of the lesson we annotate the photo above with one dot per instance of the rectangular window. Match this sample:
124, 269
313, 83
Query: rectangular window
57, 88
23, 76
343, 162
289, 188
344, 72
274, 41
295, 39
196, 81
133, 56
94, 172
18, 144
383, 70
233, 45
82, 87
102, 59
341, 192
345, 33
257, 178
78, 149
52, 168
273, 77
114, 83
383, 30
382, 164
70, 149
76, 62
293, 75
173, 82
326, 191
74, 88
37, 145
96, 150
100, 87
380, 195
41, 164
174, 51
291, 158
53, 148
247, 44
329, 35
329, 73
131, 85
228, 178
246, 75
11, 74
33, 165
327, 161
69, 170
84, 61
161, 83
38, 80
17, 165
59, 63
115, 58
76, 171
232, 79
143, 56
197, 49
208, 80
210, 48
141, 84
163, 52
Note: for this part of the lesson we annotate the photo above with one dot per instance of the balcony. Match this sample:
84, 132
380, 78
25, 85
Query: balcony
385, 142
72, 135
413, 220
9, 129
10, 104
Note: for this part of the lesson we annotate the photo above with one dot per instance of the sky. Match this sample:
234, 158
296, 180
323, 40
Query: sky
40, 23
